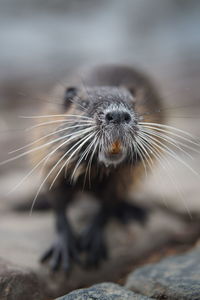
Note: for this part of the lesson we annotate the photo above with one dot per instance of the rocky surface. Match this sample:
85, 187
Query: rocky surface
24, 238
174, 278
18, 283
104, 291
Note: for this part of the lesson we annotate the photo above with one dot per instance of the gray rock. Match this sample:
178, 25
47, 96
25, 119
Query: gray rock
18, 284
104, 291
24, 238
174, 278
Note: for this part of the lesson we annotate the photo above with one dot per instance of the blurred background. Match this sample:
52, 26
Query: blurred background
42, 41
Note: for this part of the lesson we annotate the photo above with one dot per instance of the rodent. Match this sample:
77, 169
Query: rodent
92, 141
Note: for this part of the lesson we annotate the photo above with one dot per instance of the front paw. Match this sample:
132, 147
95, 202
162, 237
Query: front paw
92, 242
61, 253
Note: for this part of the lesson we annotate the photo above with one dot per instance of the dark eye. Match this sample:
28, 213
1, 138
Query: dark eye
69, 95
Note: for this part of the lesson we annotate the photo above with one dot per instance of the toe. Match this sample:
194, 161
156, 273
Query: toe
55, 259
46, 255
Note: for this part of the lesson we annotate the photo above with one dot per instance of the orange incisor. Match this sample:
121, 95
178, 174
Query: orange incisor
115, 147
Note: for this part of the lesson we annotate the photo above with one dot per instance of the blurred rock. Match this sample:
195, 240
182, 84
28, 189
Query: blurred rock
19, 284
104, 291
174, 278
24, 238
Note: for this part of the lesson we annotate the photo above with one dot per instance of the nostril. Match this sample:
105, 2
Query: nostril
118, 117
127, 117
109, 117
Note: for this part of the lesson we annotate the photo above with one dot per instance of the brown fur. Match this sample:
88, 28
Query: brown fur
147, 103
110, 184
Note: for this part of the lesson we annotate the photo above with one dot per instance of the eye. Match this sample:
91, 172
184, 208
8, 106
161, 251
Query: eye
69, 95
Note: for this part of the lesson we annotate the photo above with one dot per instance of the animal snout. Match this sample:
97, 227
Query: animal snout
118, 117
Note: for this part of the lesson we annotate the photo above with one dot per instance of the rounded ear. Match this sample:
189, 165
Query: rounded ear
132, 90
69, 95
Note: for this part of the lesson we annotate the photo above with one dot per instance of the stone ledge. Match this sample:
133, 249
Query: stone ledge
17, 283
173, 278
104, 291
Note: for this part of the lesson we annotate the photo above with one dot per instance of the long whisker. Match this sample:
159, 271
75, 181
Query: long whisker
168, 140
141, 157
172, 133
90, 162
50, 172
42, 146
156, 154
27, 175
85, 139
169, 127
84, 154
66, 142
61, 115
50, 134
171, 153
146, 155
41, 161
147, 149
56, 122
150, 163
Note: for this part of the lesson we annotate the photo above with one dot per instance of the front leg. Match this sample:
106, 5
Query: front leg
64, 249
92, 239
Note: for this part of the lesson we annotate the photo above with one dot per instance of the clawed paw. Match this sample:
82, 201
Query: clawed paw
61, 253
92, 243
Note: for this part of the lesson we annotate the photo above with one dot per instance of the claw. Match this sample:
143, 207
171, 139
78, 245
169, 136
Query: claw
63, 251
46, 255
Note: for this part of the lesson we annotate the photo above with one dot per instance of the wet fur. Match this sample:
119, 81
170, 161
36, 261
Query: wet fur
123, 80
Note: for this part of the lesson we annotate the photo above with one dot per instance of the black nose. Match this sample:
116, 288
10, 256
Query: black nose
118, 117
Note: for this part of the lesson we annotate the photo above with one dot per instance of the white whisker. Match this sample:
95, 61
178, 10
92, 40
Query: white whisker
159, 158
169, 127
50, 172
61, 115
82, 157
40, 162
50, 134
66, 142
84, 139
56, 122
172, 133
168, 140
171, 153
141, 157
145, 150
90, 163
42, 146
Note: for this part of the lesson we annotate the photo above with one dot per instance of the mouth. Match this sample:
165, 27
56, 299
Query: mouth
116, 148
115, 154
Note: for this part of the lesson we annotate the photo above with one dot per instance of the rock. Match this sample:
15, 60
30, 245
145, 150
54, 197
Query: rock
17, 283
104, 291
24, 238
173, 278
